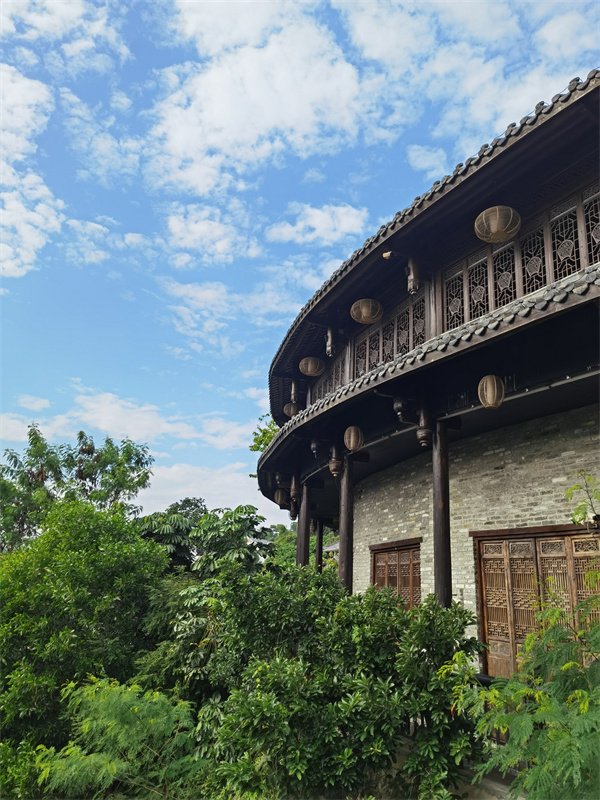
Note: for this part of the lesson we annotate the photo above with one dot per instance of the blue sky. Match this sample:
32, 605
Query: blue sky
178, 178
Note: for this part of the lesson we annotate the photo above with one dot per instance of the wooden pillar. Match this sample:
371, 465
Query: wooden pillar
442, 560
319, 545
346, 523
303, 539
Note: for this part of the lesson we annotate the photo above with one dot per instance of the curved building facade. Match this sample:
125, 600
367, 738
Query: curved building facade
437, 392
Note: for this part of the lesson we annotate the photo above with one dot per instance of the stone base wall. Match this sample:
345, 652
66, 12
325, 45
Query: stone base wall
512, 477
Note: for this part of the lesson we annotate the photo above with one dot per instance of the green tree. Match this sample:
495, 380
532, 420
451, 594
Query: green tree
106, 476
264, 433
72, 602
192, 508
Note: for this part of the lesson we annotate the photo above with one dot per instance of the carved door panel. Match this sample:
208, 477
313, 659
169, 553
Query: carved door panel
513, 573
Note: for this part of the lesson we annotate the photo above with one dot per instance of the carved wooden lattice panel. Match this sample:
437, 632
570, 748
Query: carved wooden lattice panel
374, 350
454, 298
400, 570
478, 289
505, 289
513, 573
565, 241
533, 261
591, 209
360, 358
388, 342
418, 321
403, 332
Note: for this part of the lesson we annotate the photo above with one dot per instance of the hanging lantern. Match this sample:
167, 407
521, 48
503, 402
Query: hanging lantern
335, 466
366, 311
282, 499
497, 224
291, 409
491, 391
311, 366
354, 438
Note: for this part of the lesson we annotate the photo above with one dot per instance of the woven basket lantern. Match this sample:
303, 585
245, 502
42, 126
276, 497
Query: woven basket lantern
291, 409
311, 366
282, 499
354, 438
366, 311
491, 391
497, 224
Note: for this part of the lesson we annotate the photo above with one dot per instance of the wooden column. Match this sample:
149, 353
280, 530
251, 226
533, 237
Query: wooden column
442, 563
303, 539
346, 523
319, 545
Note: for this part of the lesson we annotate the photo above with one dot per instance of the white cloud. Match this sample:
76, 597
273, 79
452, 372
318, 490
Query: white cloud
104, 155
33, 403
433, 161
216, 27
26, 105
177, 352
86, 244
324, 225
13, 428
260, 397
567, 36
121, 418
248, 106
30, 216
313, 175
495, 23
224, 487
224, 434
212, 233
89, 40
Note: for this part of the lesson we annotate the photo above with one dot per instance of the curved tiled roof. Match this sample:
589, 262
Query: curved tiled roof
487, 152
553, 295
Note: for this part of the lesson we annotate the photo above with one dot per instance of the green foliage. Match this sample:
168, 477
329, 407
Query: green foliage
230, 535
192, 508
107, 477
313, 685
172, 531
72, 603
126, 743
284, 540
18, 773
550, 707
264, 434
588, 506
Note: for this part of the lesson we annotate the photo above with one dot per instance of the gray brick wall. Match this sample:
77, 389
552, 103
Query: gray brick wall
513, 477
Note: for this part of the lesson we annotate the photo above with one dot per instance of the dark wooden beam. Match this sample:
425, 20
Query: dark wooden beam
442, 564
346, 523
303, 539
319, 545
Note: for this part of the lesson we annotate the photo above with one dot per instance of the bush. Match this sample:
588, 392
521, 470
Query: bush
550, 707
72, 602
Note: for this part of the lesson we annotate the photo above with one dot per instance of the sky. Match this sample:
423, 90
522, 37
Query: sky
179, 177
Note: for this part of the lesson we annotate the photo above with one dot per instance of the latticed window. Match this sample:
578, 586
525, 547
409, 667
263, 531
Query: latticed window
333, 378
533, 258
565, 241
505, 288
454, 297
591, 209
360, 358
397, 565
478, 286
515, 573
395, 336
549, 248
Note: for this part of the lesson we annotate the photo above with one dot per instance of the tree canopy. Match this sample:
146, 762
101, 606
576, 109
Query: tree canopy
107, 476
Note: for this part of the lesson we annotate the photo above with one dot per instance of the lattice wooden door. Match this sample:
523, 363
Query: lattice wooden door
513, 573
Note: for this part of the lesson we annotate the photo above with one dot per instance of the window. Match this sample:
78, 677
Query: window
514, 568
398, 566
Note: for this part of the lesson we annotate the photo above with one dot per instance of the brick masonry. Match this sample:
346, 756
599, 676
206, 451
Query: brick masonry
512, 477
